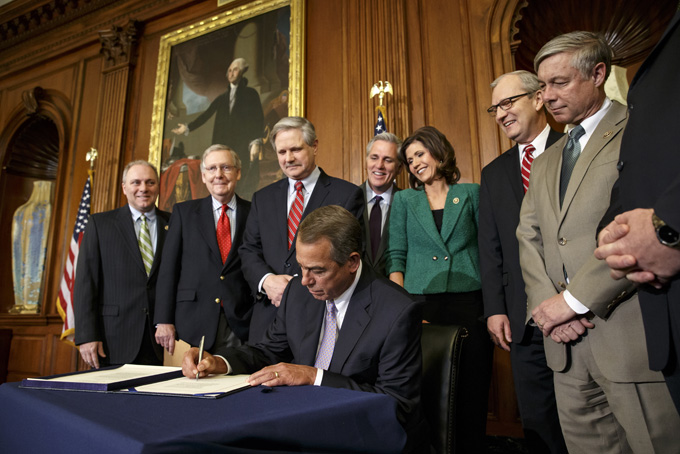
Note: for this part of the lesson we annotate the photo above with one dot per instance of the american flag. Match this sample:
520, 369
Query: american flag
65, 298
380, 124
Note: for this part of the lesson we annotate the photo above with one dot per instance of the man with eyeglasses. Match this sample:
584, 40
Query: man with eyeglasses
518, 110
608, 400
201, 290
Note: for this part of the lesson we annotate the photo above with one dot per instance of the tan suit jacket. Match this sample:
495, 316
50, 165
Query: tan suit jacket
553, 240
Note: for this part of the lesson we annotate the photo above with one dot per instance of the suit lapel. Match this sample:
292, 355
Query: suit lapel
420, 208
512, 172
126, 227
206, 226
608, 128
236, 240
314, 314
355, 322
161, 225
280, 215
455, 200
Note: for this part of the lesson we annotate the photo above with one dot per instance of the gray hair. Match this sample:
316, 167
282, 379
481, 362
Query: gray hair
528, 80
386, 137
587, 49
220, 147
288, 123
139, 162
242, 63
340, 227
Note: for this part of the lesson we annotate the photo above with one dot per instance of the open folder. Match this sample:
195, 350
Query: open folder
141, 379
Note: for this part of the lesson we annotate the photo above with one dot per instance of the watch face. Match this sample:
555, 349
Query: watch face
668, 236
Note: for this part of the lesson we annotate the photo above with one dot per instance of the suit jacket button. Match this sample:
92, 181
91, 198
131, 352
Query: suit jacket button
619, 166
286, 265
434, 258
446, 258
562, 241
221, 278
217, 300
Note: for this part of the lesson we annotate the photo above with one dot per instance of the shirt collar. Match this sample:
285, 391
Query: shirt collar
150, 216
539, 142
218, 205
386, 196
590, 124
309, 182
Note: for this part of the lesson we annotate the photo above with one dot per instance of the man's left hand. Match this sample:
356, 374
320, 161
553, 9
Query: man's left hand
571, 330
284, 374
552, 312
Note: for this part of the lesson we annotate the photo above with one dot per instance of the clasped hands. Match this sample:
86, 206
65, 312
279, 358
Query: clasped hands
277, 375
631, 249
556, 319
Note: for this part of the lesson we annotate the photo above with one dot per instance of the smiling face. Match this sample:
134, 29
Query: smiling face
421, 163
524, 120
569, 96
141, 187
296, 157
382, 165
324, 278
220, 183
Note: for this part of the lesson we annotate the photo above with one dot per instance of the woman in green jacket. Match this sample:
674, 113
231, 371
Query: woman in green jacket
433, 254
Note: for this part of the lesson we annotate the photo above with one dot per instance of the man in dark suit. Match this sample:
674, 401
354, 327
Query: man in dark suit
643, 243
518, 110
338, 325
607, 398
117, 268
382, 167
238, 115
268, 249
201, 290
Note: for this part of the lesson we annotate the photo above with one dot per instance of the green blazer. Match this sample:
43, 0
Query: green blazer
434, 262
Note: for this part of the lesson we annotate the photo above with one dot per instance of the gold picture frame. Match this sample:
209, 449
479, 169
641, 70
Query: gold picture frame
192, 79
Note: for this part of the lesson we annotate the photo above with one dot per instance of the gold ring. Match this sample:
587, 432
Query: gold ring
276, 374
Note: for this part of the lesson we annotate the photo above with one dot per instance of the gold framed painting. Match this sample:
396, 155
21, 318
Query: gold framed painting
227, 79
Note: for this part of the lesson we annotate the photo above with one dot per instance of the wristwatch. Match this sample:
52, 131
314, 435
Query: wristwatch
665, 233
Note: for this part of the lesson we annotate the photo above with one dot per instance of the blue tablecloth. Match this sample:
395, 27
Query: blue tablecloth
287, 419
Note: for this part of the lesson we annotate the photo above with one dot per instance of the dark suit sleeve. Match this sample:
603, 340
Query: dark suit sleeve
399, 363
168, 274
252, 257
87, 286
209, 112
490, 254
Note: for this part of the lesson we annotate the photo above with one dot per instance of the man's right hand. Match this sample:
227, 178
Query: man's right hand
499, 328
209, 364
165, 336
274, 286
91, 351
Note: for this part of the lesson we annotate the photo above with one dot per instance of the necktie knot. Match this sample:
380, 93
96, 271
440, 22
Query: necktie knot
577, 132
530, 150
299, 186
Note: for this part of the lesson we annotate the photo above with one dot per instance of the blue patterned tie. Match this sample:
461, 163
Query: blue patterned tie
330, 334
570, 155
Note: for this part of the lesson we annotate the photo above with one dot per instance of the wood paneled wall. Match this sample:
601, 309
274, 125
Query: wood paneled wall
439, 55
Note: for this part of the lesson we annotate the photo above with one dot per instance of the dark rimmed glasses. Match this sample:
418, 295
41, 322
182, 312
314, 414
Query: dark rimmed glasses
506, 103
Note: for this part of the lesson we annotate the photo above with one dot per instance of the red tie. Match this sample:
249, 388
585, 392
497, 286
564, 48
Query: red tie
224, 234
526, 165
295, 213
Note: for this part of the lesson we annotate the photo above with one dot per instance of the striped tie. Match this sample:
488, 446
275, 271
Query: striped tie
526, 165
295, 214
145, 246
330, 334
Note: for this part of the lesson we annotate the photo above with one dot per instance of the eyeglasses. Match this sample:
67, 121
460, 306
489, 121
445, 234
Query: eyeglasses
224, 168
506, 103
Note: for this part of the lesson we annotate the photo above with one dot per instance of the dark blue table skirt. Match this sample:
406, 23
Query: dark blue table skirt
288, 419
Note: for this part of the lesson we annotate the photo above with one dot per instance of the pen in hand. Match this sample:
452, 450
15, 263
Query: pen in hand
200, 355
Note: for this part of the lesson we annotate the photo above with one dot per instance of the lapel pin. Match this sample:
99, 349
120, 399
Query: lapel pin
456, 200
166, 227
607, 134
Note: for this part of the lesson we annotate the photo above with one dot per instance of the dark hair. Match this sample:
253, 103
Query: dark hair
441, 150
336, 224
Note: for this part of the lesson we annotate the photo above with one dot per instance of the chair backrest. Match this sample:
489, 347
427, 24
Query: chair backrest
441, 347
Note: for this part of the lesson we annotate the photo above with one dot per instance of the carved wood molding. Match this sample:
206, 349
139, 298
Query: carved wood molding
45, 17
119, 43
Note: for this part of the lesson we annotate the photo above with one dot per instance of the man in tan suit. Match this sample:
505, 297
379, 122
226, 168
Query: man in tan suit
608, 400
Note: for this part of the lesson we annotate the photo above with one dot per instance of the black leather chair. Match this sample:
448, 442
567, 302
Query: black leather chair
5, 343
441, 347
